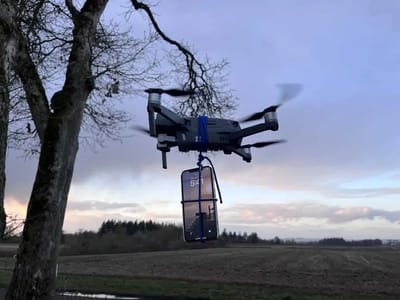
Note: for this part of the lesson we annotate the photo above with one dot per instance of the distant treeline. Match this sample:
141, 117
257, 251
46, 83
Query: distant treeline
126, 236
120, 236
115, 236
234, 237
131, 228
343, 242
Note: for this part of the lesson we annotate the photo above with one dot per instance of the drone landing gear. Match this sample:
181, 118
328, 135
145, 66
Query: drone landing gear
199, 204
164, 159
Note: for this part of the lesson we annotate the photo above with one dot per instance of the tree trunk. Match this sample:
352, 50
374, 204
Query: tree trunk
4, 110
7, 53
34, 273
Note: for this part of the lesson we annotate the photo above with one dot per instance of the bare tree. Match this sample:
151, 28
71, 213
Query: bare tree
47, 27
34, 273
8, 45
58, 122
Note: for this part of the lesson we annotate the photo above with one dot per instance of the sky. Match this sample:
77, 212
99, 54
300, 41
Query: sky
337, 176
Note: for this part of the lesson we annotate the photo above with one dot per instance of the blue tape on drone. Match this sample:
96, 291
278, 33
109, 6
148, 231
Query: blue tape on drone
202, 133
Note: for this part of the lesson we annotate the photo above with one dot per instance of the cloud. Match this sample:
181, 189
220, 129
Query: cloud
102, 205
363, 192
14, 207
331, 127
277, 213
88, 221
83, 217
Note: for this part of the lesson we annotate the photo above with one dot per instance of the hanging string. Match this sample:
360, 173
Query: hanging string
200, 212
201, 158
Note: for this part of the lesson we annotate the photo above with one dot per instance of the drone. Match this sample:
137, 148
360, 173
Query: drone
204, 134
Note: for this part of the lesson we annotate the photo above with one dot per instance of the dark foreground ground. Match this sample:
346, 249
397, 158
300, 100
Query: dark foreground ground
67, 297
343, 271
3, 292
336, 270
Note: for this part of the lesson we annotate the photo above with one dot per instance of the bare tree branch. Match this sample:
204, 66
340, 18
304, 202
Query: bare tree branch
13, 226
26, 70
7, 55
116, 55
190, 58
74, 12
202, 78
34, 90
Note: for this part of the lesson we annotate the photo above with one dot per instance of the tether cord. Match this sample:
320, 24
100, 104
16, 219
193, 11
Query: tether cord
202, 140
199, 164
215, 176
200, 212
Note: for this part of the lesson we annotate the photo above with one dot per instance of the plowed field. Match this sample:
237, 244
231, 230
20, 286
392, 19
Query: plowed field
329, 270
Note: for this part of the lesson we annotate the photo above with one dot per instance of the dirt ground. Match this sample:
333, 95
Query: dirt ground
331, 270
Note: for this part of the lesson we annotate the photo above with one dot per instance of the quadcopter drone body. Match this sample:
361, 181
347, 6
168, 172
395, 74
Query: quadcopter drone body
202, 133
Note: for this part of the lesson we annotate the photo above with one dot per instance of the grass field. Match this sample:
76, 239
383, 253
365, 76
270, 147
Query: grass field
279, 272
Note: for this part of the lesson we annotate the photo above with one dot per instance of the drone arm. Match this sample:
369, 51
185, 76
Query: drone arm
152, 122
242, 152
154, 100
168, 114
154, 106
253, 130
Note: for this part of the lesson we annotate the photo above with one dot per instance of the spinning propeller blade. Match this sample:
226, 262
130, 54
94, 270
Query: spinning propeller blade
172, 92
260, 114
287, 92
179, 93
263, 144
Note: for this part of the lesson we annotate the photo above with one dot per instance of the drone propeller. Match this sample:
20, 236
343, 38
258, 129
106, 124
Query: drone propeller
172, 92
287, 92
260, 114
263, 144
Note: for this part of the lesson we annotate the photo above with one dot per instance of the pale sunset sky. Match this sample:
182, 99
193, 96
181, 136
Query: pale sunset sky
339, 173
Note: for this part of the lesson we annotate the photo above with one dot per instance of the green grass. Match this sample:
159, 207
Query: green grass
178, 289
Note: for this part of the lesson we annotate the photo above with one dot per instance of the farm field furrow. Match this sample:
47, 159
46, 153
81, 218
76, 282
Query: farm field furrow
332, 270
